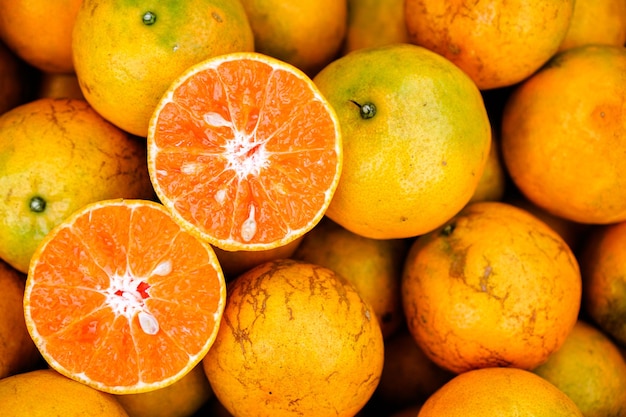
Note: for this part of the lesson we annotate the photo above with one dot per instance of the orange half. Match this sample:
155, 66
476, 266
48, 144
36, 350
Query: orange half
245, 151
123, 299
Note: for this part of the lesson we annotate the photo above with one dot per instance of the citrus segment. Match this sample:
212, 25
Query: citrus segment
232, 142
119, 297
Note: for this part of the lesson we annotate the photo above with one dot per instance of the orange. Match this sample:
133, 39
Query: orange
184, 398
18, 353
122, 299
499, 392
493, 183
307, 33
590, 369
497, 43
494, 286
235, 263
569, 118
603, 266
374, 23
12, 82
40, 31
46, 393
373, 266
126, 53
596, 22
416, 139
296, 339
409, 377
245, 151
58, 155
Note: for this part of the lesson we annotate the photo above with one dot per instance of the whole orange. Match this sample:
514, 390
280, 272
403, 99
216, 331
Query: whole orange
563, 132
126, 54
494, 286
295, 339
497, 42
416, 138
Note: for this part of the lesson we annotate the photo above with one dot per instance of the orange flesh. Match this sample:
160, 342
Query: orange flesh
246, 152
124, 297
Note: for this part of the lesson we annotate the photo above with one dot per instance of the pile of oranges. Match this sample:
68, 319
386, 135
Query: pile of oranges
330, 208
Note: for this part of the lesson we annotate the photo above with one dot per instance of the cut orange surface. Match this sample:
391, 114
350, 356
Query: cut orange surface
123, 299
245, 151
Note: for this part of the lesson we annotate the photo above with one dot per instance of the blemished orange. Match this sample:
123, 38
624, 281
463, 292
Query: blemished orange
296, 339
126, 53
40, 31
499, 392
307, 33
373, 266
146, 297
596, 22
498, 43
58, 155
494, 286
47, 393
183, 398
416, 139
589, 369
245, 151
374, 23
12, 81
583, 92
409, 376
18, 353
603, 267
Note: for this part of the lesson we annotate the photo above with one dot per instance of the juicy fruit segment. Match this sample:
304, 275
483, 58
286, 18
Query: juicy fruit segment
120, 279
499, 392
296, 339
494, 286
245, 152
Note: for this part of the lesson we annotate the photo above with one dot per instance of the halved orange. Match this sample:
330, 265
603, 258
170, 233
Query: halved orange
245, 151
121, 298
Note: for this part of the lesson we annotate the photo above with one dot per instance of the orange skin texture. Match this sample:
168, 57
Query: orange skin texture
18, 353
567, 119
295, 339
596, 21
590, 369
499, 392
46, 393
40, 32
603, 267
495, 286
497, 42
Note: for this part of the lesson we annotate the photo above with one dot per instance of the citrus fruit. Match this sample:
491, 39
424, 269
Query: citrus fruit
47, 393
499, 392
596, 22
12, 82
295, 339
40, 31
494, 286
58, 155
590, 369
307, 34
235, 263
493, 183
372, 266
603, 266
245, 151
18, 353
583, 92
122, 299
126, 53
416, 139
374, 23
497, 43
184, 398
409, 376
